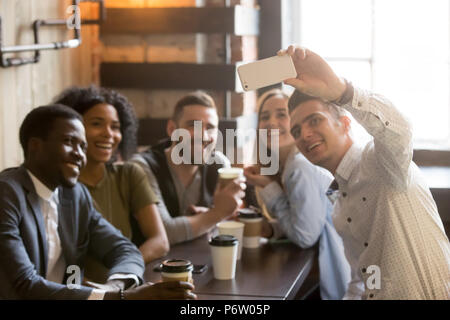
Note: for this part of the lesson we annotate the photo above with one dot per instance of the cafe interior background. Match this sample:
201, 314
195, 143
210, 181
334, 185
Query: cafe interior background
155, 51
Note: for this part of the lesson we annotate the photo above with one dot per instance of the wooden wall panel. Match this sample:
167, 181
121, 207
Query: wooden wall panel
8, 112
149, 3
185, 48
237, 20
151, 48
25, 87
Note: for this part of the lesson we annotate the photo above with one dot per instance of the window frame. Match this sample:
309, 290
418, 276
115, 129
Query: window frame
426, 152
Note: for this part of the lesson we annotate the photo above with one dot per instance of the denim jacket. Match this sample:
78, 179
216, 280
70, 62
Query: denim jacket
303, 212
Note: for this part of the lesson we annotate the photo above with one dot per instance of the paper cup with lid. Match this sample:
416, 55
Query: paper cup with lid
177, 270
233, 228
224, 251
253, 227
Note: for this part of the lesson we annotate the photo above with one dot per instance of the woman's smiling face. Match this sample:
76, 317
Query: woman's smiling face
103, 133
274, 115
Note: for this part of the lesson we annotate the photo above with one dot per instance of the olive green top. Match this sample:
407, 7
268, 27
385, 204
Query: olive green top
122, 192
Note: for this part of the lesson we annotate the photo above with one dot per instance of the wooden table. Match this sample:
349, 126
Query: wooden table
273, 271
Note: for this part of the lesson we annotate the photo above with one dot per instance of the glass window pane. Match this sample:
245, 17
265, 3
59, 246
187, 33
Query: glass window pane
358, 72
416, 30
408, 42
422, 95
412, 62
336, 28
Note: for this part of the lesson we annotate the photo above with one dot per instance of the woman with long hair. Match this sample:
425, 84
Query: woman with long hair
296, 196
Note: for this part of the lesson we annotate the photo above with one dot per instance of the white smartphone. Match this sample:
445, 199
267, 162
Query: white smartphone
265, 72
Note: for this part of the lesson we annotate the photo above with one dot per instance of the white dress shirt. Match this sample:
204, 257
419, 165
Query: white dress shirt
386, 214
48, 201
55, 260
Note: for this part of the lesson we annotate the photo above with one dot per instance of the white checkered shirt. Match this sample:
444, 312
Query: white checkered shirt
393, 236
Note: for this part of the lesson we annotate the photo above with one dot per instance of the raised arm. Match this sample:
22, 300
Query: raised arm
391, 131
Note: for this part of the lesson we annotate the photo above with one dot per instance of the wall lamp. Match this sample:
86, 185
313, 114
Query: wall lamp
37, 47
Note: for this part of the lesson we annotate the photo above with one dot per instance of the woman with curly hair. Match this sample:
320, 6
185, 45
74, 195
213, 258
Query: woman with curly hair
120, 190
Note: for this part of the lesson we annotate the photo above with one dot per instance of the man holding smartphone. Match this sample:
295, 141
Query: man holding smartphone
393, 236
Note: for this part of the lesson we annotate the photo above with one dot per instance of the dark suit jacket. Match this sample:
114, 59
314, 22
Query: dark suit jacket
23, 245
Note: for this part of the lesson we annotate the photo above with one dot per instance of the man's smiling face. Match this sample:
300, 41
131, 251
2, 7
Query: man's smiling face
319, 135
62, 154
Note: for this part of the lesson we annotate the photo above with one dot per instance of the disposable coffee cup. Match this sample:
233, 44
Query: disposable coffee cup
226, 175
233, 228
177, 270
224, 250
253, 227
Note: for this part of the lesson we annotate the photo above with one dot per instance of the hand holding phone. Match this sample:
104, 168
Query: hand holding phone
266, 72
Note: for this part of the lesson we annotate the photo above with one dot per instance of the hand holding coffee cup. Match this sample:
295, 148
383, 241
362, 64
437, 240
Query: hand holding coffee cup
177, 270
232, 175
226, 175
228, 196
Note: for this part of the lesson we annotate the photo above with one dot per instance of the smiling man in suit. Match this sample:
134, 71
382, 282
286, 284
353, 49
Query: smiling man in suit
48, 222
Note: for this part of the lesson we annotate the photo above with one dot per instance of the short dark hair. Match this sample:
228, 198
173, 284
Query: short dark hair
82, 99
298, 98
197, 98
39, 122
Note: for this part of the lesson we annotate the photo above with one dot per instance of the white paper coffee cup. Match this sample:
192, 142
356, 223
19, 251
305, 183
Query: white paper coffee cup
224, 249
233, 228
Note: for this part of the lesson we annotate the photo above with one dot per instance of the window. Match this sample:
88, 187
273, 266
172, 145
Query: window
399, 48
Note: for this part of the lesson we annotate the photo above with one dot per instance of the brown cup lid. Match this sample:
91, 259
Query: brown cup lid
249, 213
223, 240
176, 266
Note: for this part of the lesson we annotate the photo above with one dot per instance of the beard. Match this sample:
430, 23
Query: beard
201, 153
